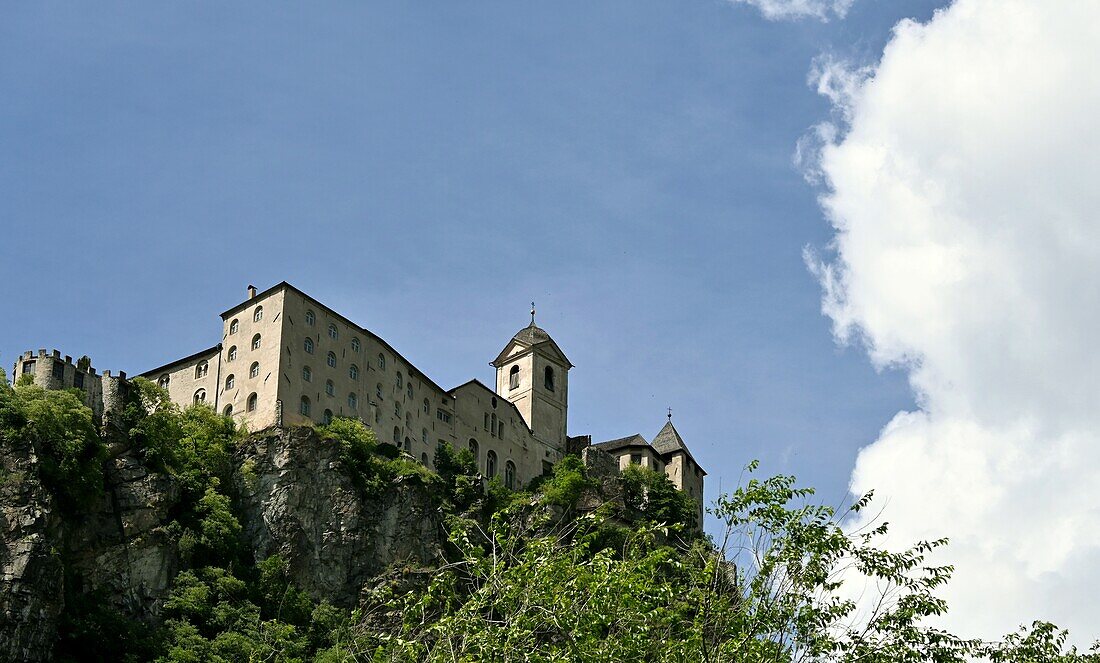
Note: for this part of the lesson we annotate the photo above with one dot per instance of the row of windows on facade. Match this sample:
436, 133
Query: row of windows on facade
547, 378
250, 404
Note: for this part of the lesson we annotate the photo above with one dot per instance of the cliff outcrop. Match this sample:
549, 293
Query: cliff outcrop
292, 496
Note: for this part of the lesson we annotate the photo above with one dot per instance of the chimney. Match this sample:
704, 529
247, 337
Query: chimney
251, 291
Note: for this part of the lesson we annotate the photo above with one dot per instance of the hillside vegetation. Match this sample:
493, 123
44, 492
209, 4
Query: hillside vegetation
578, 567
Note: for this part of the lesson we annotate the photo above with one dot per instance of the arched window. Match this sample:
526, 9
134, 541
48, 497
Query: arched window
485, 425
427, 407
330, 388
308, 345
397, 409
310, 318
494, 402
493, 426
256, 342
475, 450
548, 378
353, 372
397, 436
400, 380
200, 396
408, 418
303, 407
424, 435
377, 416
258, 314
202, 369
500, 428
307, 374
326, 418
490, 463
355, 345
510, 475
229, 381
331, 359
513, 378
164, 381
251, 406
229, 356
228, 411
378, 390
234, 326
424, 458
254, 370
333, 333
408, 443
381, 361
353, 400
409, 389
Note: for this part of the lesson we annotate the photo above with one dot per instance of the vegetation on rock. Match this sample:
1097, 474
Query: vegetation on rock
566, 571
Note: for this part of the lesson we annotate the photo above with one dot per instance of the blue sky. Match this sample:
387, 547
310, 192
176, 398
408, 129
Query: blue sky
429, 169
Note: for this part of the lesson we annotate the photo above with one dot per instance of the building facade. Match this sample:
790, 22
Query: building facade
283, 358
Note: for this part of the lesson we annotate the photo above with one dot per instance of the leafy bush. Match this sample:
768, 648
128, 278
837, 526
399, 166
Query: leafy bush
654, 497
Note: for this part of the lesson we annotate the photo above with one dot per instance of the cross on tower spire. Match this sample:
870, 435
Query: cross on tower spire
532, 314
670, 414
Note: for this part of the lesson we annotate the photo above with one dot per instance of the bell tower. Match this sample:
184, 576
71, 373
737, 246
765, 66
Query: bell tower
533, 373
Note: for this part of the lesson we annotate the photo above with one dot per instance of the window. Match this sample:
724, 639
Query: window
331, 359
254, 370
635, 459
493, 426
355, 345
490, 463
307, 374
408, 443
381, 361
377, 416
443, 416
28, 366
308, 345
494, 401
378, 390
229, 382
229, 356
510, 475
409, 390
500, 429
408, 418
548, 378
513, 378
258, 314
234, 326
427, 407
58, 370
228, 411
256, 342
303, 407
397, 436
486, 424
397, 409
200, 396
163, 382
353, 400
78, 380
353, 372
310, 318
201, 370
251, 406
424, 435
424, 458
400, 380
330, 388
474, 449
333, 333
326, 418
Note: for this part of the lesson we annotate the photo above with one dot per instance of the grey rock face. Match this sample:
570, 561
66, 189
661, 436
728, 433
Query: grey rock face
31, 573
297, 502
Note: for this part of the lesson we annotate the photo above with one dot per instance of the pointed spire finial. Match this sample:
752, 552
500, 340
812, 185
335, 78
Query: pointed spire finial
532, 314
670, 415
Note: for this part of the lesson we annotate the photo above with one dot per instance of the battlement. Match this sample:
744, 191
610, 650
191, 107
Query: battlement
52, 370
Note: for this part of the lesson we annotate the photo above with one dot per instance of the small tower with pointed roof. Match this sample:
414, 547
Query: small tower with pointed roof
533, 373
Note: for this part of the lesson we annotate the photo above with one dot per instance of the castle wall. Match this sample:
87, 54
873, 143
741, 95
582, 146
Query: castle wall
52, 371
239, 328
184, 380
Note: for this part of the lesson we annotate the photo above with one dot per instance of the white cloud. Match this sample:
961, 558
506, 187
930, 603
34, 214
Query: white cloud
776, 10
964, 187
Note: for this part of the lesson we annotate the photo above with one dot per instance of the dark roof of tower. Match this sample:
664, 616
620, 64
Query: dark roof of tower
634, 440
668, 441
533, 336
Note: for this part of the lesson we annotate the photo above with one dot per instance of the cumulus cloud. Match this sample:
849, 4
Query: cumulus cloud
776, 10
962, 181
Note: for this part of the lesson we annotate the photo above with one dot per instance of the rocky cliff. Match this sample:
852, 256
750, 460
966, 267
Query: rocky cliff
293, 498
